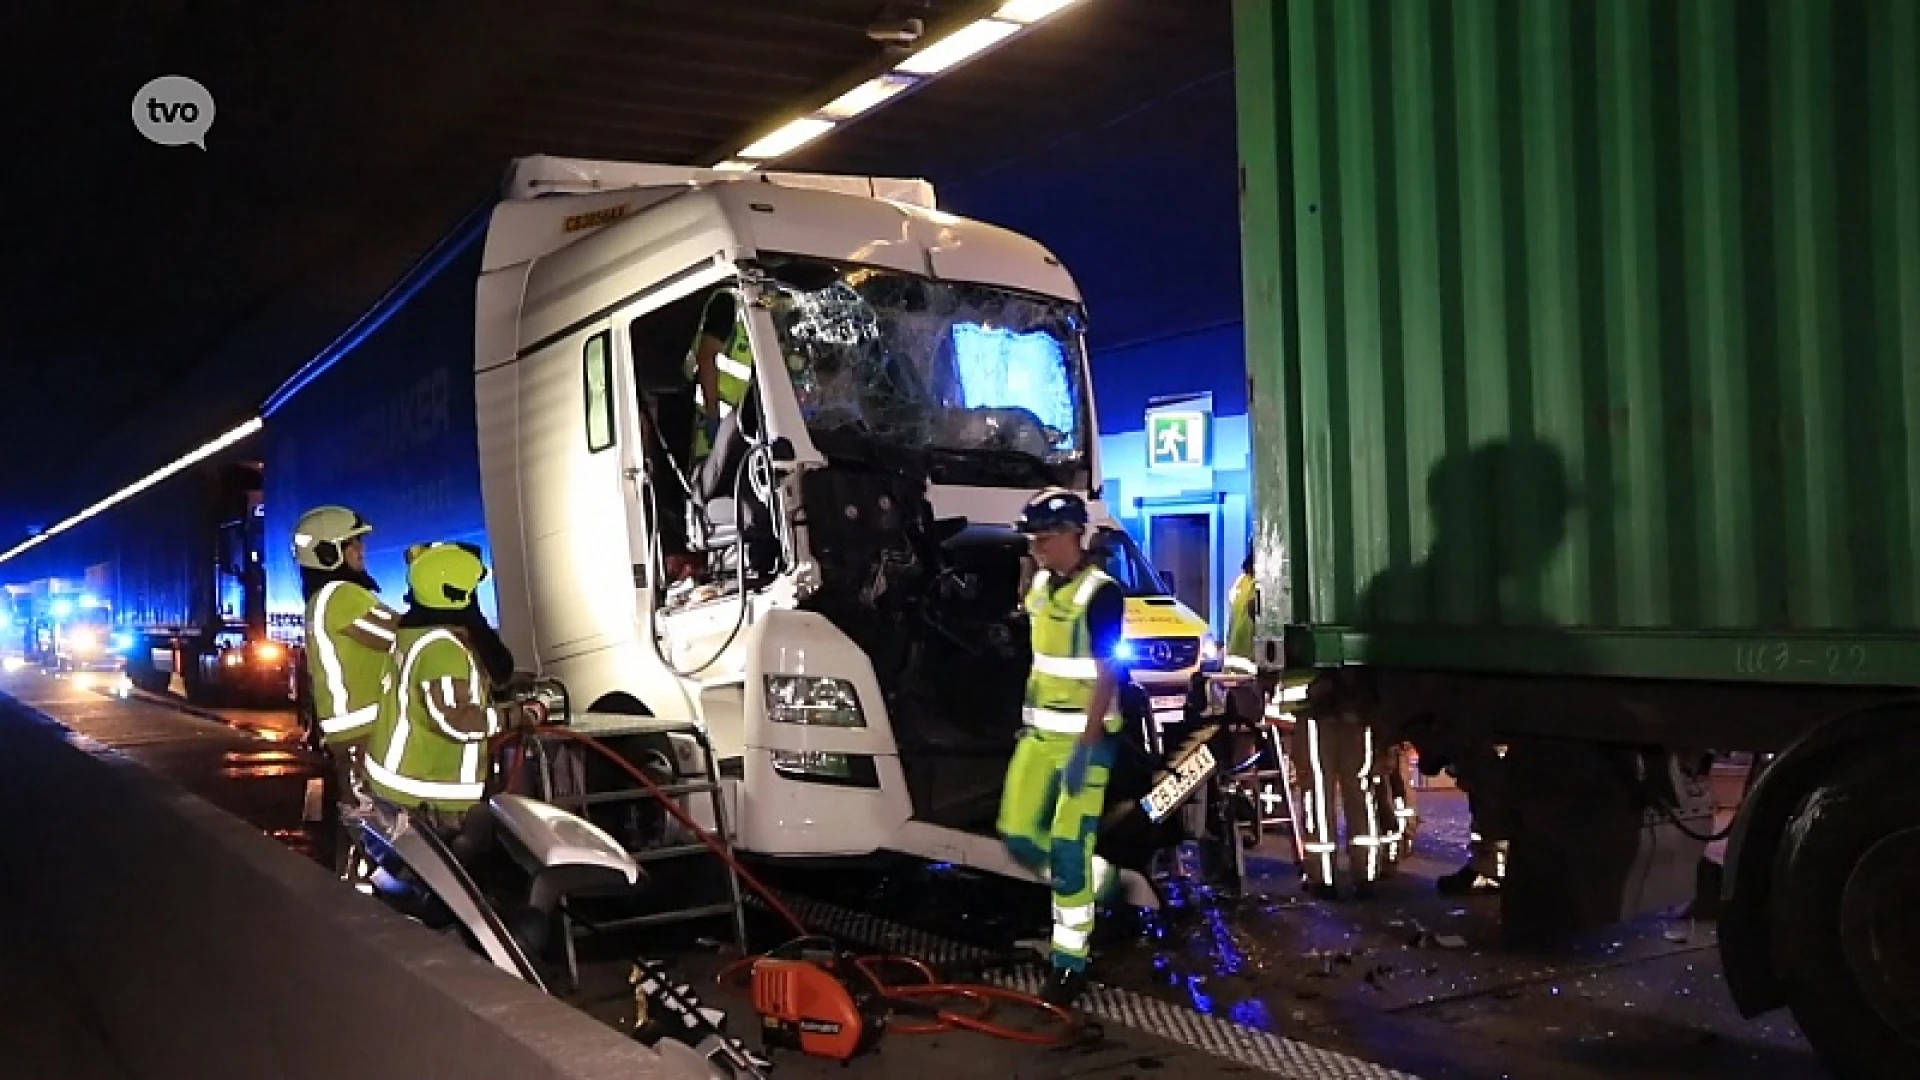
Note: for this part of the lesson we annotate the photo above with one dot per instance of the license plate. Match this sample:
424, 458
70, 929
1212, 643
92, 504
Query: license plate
1176, 702
1172, 790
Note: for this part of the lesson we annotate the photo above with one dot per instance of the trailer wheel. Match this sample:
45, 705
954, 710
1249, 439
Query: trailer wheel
1846, 883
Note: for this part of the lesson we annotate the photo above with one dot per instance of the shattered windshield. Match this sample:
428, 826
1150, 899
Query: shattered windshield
983, 380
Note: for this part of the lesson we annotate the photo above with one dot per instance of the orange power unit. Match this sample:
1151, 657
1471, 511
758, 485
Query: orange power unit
809, 1007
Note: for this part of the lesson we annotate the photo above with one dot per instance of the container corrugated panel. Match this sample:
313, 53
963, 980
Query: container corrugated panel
1601, 316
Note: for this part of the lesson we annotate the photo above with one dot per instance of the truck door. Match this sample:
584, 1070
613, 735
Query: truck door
637, 463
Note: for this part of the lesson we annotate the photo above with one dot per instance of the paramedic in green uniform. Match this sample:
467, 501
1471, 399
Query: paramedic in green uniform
1057, 783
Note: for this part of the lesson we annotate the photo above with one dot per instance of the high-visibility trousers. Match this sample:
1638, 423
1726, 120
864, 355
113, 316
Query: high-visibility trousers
1394, 808
1487, 843
1337, 769
1053, 833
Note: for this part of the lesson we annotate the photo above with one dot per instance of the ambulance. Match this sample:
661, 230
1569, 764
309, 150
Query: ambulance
1164, 641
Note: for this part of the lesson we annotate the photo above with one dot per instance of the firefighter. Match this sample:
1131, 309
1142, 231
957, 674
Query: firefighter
429, 752
720, 366
1056, 784
1393, 805
1336, 765
1483, 776
349, 633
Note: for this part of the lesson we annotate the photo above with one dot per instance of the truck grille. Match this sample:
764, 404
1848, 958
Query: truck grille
1165, 654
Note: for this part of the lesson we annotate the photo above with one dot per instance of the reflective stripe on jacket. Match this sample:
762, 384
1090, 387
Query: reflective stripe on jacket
1060, 685
350, 636
430, 743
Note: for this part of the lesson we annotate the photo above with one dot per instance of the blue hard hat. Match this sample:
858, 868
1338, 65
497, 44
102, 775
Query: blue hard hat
1054, 508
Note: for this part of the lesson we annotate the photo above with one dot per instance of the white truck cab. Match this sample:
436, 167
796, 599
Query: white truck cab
833, 593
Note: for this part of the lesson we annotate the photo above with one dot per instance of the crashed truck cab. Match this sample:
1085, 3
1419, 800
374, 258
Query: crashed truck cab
849, 635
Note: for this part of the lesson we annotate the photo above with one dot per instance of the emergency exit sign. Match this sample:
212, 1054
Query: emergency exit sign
1177, 439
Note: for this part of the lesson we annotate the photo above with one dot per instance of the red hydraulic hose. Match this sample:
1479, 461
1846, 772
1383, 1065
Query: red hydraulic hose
945, 1019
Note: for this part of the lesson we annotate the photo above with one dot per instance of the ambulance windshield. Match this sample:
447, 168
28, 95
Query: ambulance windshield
982, 380
1117, 554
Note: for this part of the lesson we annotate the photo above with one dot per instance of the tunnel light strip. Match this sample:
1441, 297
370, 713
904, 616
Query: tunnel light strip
1028, 12
789, 138
976, 38
958, 47
868, 95
141, 485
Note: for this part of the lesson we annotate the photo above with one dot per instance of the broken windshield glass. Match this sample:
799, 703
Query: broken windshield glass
948, 369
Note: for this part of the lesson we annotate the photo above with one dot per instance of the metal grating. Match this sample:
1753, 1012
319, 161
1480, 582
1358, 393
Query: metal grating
1273, 1055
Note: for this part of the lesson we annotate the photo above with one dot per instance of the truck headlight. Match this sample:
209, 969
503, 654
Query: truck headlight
1210, 654
813, 700
84, 641
813, 763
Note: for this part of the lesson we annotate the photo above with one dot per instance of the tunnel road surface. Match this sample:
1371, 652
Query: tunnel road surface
1269, 984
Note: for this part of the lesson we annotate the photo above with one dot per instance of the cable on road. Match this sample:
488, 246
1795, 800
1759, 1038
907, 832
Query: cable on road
937, 1001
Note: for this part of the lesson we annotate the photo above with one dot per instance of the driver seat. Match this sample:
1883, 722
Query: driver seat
717, 480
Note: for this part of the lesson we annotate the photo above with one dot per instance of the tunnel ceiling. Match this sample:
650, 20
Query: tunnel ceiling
349, 136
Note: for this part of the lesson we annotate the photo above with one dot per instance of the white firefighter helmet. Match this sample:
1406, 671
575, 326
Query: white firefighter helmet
321, 534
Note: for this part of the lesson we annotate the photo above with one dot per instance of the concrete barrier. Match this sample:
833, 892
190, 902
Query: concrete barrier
174, 942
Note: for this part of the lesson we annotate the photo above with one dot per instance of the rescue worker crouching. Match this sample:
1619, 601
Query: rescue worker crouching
349, 634
430, 752
1056, 785
1337, 766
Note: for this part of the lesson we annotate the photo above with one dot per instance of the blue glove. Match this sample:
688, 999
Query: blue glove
1075, 775
712, 427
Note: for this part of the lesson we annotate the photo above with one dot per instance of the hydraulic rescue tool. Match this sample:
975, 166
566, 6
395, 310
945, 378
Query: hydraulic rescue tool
670, 1020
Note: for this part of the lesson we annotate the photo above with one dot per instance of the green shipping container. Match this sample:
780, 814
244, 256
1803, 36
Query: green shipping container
1584, 335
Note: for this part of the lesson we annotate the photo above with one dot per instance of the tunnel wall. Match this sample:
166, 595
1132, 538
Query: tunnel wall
183, 945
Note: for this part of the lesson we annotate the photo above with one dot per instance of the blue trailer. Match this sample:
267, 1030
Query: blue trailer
382, 422
198, 569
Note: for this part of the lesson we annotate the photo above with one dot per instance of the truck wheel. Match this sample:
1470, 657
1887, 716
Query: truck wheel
1846, 883
149, 679
194, 685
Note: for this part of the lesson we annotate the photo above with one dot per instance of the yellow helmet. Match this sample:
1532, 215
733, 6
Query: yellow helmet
445, 575
321, 535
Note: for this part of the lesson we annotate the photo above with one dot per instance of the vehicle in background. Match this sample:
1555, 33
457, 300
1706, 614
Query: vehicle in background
1165, 642
179, 568
85, 639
